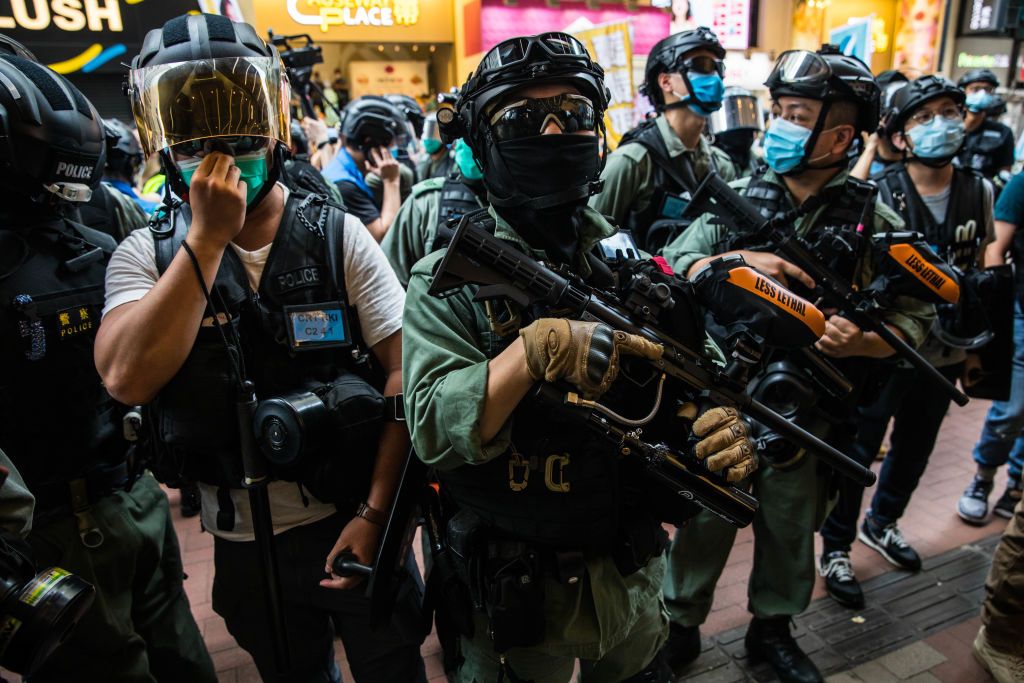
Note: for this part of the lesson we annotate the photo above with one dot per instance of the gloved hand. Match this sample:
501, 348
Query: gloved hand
585, 354
725, 444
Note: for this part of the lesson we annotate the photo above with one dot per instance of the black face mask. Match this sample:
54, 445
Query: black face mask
544, 170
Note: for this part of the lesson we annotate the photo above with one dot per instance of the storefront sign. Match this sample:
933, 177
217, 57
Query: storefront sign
729, 19
328, 13
404, 77
611, 46
982, 53
855, 38
983, 16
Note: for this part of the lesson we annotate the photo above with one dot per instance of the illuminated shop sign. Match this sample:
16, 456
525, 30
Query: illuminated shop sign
327, 13
969, 61
97, 15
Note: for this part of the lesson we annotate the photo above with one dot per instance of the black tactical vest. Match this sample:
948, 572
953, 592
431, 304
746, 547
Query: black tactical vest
957, 239
674, 182
57, 422
194, 414
559, 484
456, 201
981, 147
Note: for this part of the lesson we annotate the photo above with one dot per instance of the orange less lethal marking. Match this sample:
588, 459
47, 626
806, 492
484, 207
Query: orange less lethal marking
754, 282
917, 265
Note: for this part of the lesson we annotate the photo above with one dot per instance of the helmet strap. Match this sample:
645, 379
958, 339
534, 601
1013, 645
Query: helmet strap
819, 124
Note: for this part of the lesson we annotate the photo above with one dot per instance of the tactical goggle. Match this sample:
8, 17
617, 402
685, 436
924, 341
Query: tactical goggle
702, 65
235, 145
517, 50
530, 116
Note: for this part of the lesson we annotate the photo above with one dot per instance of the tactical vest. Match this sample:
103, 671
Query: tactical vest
673, 181
558, 484
456, 200
194, 414
958, 237
57, 422
980, 147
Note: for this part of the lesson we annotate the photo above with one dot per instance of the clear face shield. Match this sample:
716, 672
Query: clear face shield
738, 112
209, 98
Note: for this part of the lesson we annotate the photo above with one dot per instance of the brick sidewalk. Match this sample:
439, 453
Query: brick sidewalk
930, 525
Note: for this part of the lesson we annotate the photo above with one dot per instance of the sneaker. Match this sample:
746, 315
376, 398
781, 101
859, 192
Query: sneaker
1003, 667
889, 542
840, 583
973, 505
1007, 502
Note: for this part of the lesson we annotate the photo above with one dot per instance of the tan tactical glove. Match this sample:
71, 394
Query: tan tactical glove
724, 443
585, 354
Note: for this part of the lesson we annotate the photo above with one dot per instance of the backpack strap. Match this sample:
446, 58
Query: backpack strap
169, 231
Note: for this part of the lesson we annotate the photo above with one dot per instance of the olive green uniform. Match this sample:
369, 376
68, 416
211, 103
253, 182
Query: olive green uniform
406, 179
617, 624
414, 229
629, 172
794, 503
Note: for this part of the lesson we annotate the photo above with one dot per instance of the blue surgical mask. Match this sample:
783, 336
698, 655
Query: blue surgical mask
876, 168
432, 145
708, 89
253, 167
466, 162
938, 140
980, 100
785, 145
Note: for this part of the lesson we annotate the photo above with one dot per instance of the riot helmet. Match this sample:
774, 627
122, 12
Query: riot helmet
53, 141
669, 56
10, 46
737, 124
943, 138
828, 77
890, 82
498, 128
299, 141
203, 82
412, 111
978, 76
372, 121
124, 153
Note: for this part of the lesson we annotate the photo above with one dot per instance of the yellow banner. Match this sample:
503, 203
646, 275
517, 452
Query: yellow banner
611, 46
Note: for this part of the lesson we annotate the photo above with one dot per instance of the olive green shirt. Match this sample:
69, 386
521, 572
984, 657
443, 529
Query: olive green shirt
629, 172
910, 316
406, 179
445, 368
414, 228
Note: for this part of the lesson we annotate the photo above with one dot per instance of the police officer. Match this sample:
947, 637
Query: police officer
735, 128
952, 208
989, 144
878, 152
820, 103
437, 160
370, 128
94, 515
115, 208
270, 284
579, 548
418, 229
648, 179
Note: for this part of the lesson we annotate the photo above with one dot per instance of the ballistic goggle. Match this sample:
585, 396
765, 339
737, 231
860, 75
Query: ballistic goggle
557, 46
206, 98
572, 113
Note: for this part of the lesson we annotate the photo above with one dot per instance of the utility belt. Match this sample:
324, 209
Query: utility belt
78, 496
504, 577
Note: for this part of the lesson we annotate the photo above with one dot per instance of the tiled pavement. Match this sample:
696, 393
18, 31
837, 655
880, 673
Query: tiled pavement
930, 525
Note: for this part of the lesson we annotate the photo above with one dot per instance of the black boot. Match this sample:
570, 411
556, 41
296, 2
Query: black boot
657, 671
682, 646
769, 640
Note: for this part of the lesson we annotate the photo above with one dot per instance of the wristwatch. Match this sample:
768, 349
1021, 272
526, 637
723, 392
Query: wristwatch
371, 515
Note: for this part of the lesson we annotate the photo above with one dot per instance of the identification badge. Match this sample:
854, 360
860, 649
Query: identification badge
72, 322
674, 206
317, 326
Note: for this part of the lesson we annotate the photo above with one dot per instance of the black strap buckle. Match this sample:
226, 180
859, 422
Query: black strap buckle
394, 408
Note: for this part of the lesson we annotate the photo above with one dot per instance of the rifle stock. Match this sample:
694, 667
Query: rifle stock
714, 196
499, 269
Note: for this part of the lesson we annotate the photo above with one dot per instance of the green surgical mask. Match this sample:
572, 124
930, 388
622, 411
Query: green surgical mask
432, 146
253, 167
466, 162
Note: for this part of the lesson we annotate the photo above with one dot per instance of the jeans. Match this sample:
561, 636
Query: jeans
918, 409
1002, 436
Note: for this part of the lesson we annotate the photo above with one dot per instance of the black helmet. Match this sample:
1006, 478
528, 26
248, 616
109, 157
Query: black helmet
204, 76
299, 139
667, 53
740, 111
372, 121
547, 58
909, 98
978, 76
411, 109
124, 153
53, 138
829, 76
10, 46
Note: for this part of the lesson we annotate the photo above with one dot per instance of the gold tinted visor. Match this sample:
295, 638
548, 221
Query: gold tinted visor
208, 98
